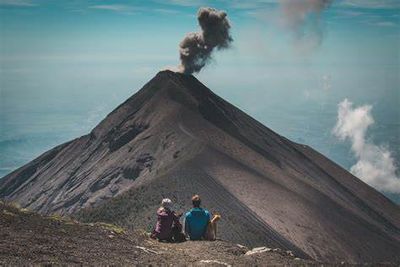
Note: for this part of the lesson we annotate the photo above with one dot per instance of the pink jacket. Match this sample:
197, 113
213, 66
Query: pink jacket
166, 219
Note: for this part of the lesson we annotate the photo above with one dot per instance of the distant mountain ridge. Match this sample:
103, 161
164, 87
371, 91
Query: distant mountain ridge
174, 138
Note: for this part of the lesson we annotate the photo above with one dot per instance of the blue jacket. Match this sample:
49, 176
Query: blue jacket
196, 221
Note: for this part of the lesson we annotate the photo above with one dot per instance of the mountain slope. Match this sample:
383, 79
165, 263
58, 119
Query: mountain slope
175, 138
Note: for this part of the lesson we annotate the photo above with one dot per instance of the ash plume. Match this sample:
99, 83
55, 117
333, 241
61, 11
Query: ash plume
196, 48
302, 17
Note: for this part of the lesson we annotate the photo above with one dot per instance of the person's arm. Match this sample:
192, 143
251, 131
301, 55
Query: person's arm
176, 220
187, 226
156, 229
208, 215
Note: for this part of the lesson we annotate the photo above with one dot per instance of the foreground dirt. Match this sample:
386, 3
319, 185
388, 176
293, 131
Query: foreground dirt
28, 238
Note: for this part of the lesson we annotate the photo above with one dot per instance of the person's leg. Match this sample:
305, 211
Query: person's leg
177, 235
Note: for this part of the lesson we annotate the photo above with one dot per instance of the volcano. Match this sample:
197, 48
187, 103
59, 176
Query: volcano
175, 138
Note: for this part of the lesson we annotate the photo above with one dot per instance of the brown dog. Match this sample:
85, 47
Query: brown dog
211, 232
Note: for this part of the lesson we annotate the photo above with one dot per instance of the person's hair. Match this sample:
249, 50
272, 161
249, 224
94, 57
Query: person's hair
166, 203
196, 201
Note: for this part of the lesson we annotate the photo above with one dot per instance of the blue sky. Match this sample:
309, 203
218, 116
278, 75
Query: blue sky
66, 64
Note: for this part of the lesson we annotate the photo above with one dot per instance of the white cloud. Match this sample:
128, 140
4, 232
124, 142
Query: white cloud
386, 24
372, 4
253, 5
186, 3
166, 11
375, 164
350, 13
114, 7
17, 3
326, 82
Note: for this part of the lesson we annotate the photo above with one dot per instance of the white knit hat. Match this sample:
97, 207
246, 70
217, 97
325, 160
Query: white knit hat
166, 203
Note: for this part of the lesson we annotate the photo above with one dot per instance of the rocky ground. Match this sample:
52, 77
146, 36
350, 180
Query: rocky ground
28, 238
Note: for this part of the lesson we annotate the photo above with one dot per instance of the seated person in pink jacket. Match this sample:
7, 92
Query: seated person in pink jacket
168, 225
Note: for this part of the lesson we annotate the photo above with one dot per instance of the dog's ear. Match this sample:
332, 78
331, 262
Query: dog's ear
215, 218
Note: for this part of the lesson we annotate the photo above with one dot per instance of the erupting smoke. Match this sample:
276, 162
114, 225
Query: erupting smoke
303, 18
375, 165
196, 48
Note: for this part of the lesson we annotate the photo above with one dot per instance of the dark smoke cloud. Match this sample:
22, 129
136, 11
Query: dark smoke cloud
196, 48
303, 18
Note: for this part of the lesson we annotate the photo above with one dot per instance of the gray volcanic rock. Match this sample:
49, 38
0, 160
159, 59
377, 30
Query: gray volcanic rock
175, 138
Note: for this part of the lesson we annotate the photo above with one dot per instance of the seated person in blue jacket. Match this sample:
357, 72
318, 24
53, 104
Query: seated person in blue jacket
198, 222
